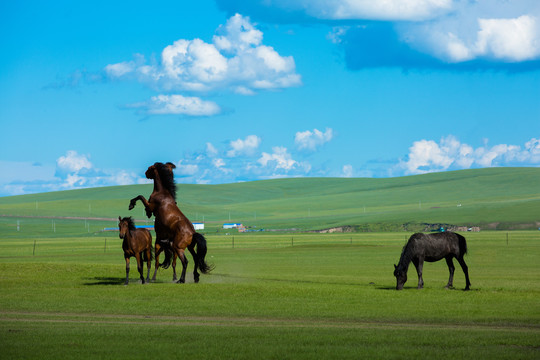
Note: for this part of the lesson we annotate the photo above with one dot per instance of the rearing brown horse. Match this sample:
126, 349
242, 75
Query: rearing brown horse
170, 222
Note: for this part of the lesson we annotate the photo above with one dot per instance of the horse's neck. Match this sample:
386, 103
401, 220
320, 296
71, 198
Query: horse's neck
158, 186
404, 261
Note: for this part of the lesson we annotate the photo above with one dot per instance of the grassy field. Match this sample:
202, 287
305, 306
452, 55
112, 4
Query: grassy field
287, 294
495, 198
300, 296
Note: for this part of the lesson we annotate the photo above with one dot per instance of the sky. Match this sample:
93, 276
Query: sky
92, 93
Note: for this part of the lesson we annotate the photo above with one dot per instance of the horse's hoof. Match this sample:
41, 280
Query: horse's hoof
180, 281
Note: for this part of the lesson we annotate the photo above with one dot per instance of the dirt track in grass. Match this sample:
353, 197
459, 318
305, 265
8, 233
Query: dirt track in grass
186, 321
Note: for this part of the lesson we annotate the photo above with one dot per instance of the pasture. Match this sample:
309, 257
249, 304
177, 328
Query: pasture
271, 296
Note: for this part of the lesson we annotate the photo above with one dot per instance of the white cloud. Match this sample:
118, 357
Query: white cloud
429, 156
310, 140
503, 32
369, 9
179, 105
236, 60
347, 171
279, 159
186, 169
449, 30
516, 39
73, 162
248, 146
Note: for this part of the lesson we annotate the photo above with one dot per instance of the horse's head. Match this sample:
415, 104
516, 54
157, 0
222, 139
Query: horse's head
150, 172
124, 225
401, 277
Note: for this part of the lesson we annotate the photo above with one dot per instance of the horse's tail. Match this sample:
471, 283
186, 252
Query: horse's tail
167, 249
201, 253
462, 244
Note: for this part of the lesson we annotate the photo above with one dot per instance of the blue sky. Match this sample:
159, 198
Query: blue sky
92, 93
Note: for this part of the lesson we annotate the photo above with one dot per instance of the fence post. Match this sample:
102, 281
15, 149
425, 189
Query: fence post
34, 251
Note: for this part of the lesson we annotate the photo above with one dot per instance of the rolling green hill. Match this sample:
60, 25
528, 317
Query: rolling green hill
494, 198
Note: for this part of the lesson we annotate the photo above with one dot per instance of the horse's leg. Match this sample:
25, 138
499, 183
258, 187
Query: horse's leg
174, 278
451, 268
127, 270
184, 260
196, 274
419, 265
148, 263
149, 208
466, 271
140, 266
157, 250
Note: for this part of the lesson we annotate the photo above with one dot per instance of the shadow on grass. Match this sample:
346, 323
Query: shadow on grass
105, 281
100, 280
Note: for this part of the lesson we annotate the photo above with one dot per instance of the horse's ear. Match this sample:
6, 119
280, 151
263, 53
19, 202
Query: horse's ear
171, 165
119, 218
395, 267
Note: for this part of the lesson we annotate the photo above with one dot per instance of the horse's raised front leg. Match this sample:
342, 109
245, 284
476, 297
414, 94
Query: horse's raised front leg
147, 206
127, 270
451, 269
466, 272
419, 265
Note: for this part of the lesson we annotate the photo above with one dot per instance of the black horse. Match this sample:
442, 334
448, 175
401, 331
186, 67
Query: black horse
432, 247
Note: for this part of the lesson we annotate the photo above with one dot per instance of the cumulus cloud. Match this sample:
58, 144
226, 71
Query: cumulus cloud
509, 39
449, 153
236, 60
73, 162
178, 105
70, 171
248, 146
278, 159
440, 34
310, 140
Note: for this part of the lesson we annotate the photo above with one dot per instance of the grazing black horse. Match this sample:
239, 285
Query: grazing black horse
432, 247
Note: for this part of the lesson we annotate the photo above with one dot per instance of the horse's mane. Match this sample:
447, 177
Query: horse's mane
130, 222
407, 252
167, 178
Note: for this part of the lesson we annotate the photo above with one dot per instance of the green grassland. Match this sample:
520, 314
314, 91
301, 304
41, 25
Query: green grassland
271, 296
496, 198
278, 295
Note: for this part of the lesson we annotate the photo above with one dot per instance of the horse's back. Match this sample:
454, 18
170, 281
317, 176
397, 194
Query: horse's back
436, 246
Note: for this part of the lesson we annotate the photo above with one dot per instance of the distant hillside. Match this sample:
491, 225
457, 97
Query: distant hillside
494, 198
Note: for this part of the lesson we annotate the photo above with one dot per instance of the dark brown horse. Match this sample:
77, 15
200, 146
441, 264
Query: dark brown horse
432, 247
137, 243
171, 225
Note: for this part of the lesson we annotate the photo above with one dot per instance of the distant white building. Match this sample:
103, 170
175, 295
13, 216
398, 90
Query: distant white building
231, 225
198, 226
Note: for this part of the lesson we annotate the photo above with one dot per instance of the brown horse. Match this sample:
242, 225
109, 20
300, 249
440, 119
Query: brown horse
171, 225
138, 243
